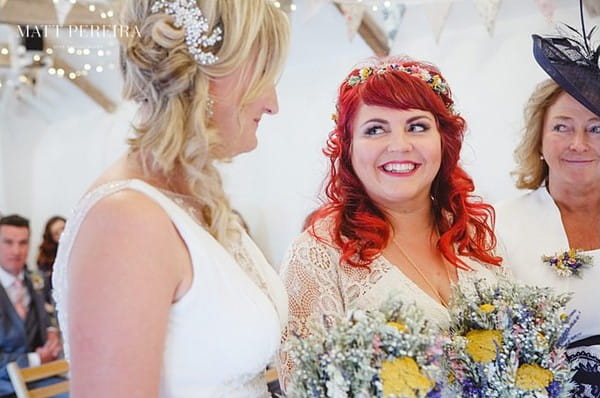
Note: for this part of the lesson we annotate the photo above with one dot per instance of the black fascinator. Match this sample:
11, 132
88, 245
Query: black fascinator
572, 63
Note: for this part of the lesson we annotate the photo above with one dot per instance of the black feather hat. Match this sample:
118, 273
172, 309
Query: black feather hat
572, 63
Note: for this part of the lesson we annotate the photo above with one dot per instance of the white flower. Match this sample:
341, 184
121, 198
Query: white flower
336, 385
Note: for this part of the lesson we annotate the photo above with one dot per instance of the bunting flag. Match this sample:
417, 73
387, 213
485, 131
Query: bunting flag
547, 7
438, 14
392, 18
488, 10
62, 9
313, 7
592, 7
353, 13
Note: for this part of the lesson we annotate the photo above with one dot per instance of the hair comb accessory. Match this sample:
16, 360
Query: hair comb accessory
572, 62
197, 37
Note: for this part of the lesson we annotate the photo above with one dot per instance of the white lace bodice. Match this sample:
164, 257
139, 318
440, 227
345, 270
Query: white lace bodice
225, 330
320, 289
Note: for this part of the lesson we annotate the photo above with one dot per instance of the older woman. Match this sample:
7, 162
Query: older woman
160, 291
399, 214
551, 235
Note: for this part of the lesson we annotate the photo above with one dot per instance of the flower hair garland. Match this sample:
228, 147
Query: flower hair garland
432, 79
197, 37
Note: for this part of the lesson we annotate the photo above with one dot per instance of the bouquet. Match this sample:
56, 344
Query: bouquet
390, 352
508, 340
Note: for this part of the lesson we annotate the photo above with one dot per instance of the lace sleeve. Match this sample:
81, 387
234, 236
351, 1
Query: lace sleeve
310, 275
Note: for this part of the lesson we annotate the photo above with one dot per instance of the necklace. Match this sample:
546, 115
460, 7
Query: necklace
412, 263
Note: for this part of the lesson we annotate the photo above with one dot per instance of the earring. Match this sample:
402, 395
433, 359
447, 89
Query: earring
541, 157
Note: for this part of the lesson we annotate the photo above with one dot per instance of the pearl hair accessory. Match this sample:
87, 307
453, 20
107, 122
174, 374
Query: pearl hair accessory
197, 37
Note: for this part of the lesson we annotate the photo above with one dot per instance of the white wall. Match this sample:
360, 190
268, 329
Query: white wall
49, 155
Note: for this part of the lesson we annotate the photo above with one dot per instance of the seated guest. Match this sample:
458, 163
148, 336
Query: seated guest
47, 253
26, 333
399, 215
49, 246
551, 235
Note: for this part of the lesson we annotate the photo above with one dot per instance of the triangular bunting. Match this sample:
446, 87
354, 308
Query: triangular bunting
547, 7
392, 19
353, 13
62, 9
488, 10
313, 7
592, 7
438, 13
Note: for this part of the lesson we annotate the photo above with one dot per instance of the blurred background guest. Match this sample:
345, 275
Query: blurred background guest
27, 335
47, 250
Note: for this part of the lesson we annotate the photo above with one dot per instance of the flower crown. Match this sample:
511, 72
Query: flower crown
197, 37
432, 79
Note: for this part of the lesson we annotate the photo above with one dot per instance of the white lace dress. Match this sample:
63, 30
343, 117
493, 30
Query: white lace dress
319, 288
225, 330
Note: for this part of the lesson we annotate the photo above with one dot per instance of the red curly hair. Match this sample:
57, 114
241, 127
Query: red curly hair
359, 227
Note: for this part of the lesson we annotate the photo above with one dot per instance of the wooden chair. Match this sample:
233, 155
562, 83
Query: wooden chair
19, 377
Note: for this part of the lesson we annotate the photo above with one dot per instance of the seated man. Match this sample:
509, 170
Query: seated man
26, 333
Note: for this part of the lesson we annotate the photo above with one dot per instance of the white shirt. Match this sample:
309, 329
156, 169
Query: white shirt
531, 226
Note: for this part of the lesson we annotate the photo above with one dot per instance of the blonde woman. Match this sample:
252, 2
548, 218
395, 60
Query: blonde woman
160, 292
551, 234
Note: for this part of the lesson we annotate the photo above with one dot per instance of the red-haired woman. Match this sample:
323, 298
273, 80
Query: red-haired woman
399, 213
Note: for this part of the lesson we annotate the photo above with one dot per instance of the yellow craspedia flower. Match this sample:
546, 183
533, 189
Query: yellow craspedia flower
481, 344
403, 378
487, 308
542, 340
563, 317
398, 326
365, 73
533, 377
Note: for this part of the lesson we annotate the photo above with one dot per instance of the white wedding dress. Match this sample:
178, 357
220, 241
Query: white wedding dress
320, 289
225, 330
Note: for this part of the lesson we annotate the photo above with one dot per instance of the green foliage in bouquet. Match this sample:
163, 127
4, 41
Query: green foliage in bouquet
390, 352
508, 340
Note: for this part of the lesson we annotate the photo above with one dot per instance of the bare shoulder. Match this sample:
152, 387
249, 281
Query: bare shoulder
127, 216
125, 270
129, 233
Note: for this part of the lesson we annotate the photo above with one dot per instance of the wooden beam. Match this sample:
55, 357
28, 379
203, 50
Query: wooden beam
592, 7
86, 86
372, 34
41, 12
